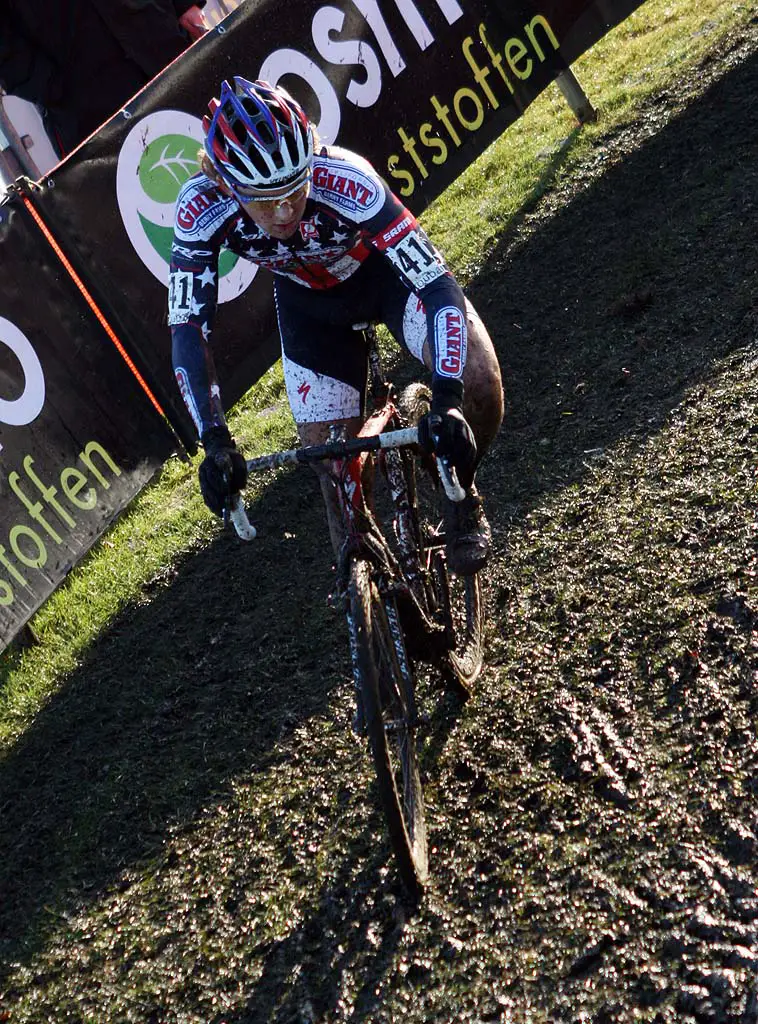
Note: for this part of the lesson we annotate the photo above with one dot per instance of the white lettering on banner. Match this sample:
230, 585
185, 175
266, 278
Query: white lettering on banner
451, 9
350, 51
326, 23
370, 11
179, 297
415, 23
450, 332
292, 62
19, 411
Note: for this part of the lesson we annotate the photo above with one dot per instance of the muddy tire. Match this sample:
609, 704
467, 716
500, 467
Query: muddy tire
457, 600
389, 713
460, 597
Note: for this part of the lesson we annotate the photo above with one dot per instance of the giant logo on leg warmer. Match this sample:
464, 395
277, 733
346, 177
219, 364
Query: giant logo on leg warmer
450, 333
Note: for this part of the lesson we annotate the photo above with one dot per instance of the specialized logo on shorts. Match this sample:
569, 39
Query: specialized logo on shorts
347, 188
158, 157
450, 332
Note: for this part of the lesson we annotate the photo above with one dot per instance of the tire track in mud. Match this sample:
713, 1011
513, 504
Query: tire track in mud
695, 957
596, 752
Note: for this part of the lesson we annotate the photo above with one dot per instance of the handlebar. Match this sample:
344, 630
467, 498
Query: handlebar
338, 450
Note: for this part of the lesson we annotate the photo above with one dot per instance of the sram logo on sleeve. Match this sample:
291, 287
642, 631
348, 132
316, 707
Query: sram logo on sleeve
416, 259
450, 334
399, 227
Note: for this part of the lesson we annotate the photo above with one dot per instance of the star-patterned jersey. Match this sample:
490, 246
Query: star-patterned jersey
350, 213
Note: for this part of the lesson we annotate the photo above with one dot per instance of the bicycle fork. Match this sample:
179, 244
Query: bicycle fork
398, 642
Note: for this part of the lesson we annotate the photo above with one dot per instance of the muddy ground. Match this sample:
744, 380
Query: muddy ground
188, 829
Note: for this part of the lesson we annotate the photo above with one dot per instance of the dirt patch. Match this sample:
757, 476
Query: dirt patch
593, 811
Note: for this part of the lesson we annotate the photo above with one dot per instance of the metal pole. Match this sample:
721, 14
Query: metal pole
576, 97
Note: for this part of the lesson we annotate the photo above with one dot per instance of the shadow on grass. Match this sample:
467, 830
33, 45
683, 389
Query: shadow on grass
603, 316
302, 975
177, 695
624, 292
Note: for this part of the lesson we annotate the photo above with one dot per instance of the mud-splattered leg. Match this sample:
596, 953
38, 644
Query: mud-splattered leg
318, 433
483, 404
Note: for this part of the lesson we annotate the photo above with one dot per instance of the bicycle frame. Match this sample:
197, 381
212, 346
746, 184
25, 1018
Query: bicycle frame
393, 587
357, 518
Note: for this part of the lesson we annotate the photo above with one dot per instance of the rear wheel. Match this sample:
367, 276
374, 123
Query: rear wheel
460, 600
389, 712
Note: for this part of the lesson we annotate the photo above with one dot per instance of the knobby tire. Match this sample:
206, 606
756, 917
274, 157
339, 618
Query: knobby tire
458, 598
390, 717
461, 596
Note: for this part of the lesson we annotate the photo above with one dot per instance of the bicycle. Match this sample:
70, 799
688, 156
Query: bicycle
403, 608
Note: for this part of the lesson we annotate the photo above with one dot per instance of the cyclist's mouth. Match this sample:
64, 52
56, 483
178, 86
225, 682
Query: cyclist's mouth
285, 230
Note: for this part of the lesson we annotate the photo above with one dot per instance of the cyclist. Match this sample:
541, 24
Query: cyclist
343, 249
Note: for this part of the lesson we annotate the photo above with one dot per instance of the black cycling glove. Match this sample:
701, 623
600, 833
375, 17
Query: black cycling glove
223, 471
445, 432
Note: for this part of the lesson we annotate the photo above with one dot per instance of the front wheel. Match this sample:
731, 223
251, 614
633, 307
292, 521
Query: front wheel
386, 690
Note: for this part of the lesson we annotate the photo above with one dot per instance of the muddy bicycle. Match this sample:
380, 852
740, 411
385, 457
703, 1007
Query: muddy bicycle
406, 614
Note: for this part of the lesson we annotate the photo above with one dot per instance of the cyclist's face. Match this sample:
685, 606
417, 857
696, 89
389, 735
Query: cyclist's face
279, 218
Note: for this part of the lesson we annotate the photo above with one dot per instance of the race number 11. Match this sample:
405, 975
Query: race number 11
179, 297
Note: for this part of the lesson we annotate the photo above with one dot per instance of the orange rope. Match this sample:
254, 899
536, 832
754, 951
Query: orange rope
92, 304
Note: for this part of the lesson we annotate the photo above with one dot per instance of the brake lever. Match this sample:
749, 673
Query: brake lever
449, 478
448, 475
235, 512
233, 509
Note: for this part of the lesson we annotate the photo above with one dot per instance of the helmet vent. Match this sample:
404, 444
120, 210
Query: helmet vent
258, 136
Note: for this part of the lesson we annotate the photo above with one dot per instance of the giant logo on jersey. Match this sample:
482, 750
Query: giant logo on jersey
349, 190
157, 158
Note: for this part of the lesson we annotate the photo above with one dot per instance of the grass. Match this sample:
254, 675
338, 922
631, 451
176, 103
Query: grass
661, 43
653, 48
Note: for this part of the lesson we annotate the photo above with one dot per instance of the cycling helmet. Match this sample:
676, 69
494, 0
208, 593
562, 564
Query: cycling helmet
258, 139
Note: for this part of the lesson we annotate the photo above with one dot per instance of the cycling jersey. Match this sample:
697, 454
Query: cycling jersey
351, 220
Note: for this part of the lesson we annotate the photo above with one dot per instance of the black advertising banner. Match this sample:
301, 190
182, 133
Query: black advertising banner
78, 438
420, 87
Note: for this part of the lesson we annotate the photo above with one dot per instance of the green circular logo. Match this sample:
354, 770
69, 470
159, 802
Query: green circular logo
157, 157
166, 164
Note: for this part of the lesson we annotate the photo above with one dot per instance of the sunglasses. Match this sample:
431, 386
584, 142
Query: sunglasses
244, 196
